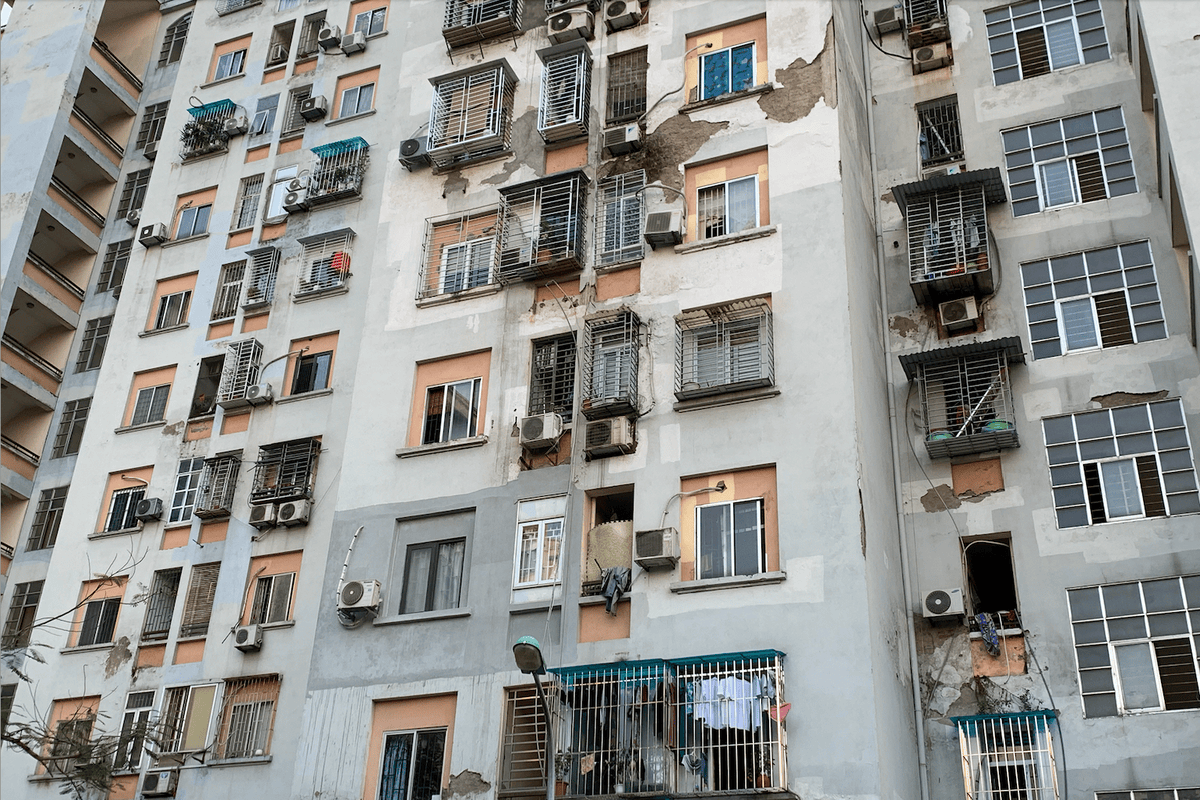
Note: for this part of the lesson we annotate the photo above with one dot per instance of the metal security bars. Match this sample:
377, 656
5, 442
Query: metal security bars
471, 114
552, 385
626, 95
229, 291
217, 485
293, 122
229, 6
205, 132
689, 726
249, 193
247, 717
966, 396
609, 369
460, 252
239, 371
285, 471
160, 607
723, 349
565, 93
338, 175
619, 219
1037, 37
469, 21
926, 22
264, 268
941, 132
326, 262
542, 227
1007, 756
947, 234
522, 761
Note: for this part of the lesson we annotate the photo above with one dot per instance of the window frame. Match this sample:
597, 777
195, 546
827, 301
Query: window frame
729, 547
408, 771
429, 592
1005, 46
71, 426
234, 67
135, 723
177, 724
193, 221
155, 407
102, 615
172, 310
160, 604
22, 615
358, 92
265, 606
47, 518
174, 40
445, 415
373, 14
123, 514
116, 262
725, 214
196, 618
186, 492
318, 364
728, 52
133, 192
95, 341
540, 525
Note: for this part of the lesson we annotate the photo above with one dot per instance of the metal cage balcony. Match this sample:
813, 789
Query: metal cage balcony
543, 226
460, 252
1008, 756
205, 132
470, 21
285, 471
565, 92
609, 366
214, 498
339, 172
471, 114
723, 349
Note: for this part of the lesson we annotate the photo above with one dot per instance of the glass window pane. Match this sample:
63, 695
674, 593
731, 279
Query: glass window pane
1121, 494
714, 522
416, 581
1164, 595
716, 74
1060, 40
742, 202
551, 546
1079, 323
1122, 599
1139, 689
448, 583
1058, 187
527, 563
747, 536
741, 68
1085, 603
397, 758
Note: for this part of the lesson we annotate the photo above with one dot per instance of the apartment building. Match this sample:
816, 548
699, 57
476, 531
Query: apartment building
416, 328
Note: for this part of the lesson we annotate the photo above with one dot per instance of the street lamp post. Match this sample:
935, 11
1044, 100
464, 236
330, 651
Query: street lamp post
528, 655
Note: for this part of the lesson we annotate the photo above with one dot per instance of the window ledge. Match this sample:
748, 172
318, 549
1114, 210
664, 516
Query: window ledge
424, 616
350, 118
158, 423
727, 398
317, 294
257, 305
599, 600
292, 398
157, 331
465, 294
733, 582
287, 136
620, 266
376, 35
237, 762
442, 447
174, 242
87, 648
236, 231
174, 526
472, 161
729, 238
544, 605
122, 532
183, 639
270, 626
1003, 633
728, 97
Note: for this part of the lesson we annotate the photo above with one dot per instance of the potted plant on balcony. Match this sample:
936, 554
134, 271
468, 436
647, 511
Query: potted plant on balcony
562, 772
766, 763
202, 136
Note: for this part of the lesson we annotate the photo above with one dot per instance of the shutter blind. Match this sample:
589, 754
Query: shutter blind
197, 609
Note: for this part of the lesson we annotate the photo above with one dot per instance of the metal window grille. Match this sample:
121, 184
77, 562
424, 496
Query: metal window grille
947, 234
22, 611
272, 598
197, 607
249, 193
307, 45
326, 262
70, 427
133, 193
468, 21
187, 480
1008, 755
153, 120
161, 605
552, 385
471, 115
723, 348
292, 121
173, 42
339, 172
566, 89
264, 269
47, 518
626, 98
522, 762
619, 218
542, 227
247, 717
116, 261
919, 13
229, 6
285, 471
941, 131
95, 339
217, 485
69, 744
609, 370
229, 291
205, 132
1044, 35
240, 369
122, 506
460, 252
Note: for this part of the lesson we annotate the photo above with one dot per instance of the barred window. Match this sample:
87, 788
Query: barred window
116, 261
626, 100
47, 518
1008, 755
153, 120
1035, 38
543, 228
285, 471
173, 42
70, 427
229, 291
941, 131
246, 209
619, 219
307, 45
186, 717
326, 263
133, 193
160, 606
552, 385
217, 486
239, 371
264, 268
460, 252
468, 21
247, 717
292, 121
471, 114
122, 509
723, 348
565, 92
95, 339
610, 364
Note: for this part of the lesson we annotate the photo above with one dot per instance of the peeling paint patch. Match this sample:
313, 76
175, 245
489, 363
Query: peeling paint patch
467, 783
802, 85
1115, 399
903, 326
940, 498
119, 654
455, 183
529, 151
670, 145
172, 431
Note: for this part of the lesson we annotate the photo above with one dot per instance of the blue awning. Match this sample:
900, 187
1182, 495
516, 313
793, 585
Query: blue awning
215, 107
729, 658
620, 669
337, 148
1043, 716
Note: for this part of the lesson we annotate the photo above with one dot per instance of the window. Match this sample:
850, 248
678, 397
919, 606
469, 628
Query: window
151, 404
47, 518
357, 100
272, 599
471, 115
1067, 161
723, 348
264, 115
70, 427
1121, 463
433, 576
197, 606
1035, 38
99, 621
135, 724
174, 40
308, 35
941, 132
22, 613
8, 693
153, 120
312, 372
566, 88
281, 41
539, 541
217, 485
370, 22
122, 506
160, 606
451, 411
468, 21
460, 252
283, 176
72, 722
991, 580
264, 268
727, 70
193, 221
552, 383
1096, 299
728, 207
239, 371
116, 260
339, 172
731, 539
246, 210
187, 717
288, 5
95, 338
1008, 755
412, 764
326, 261
172, 310
133, 193
208, 379
229, 290
1151, 794
230, 65
626, 100
542, 229
619, 219
1134, 645
293, 122
285, 471
610, 364
247, 716
728, 524
524, 743
187, 481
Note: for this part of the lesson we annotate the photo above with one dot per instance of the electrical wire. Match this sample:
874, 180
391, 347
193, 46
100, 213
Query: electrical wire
872, 40
1053, 705
922, 466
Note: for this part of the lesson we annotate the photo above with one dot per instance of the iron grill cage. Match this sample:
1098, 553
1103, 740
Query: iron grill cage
292, 119
552, 385
471, 115
691, 726
619, 219
565, 95
460, 252
229, 6
610, 364
1008, 755
229, 291
326, 262
724, 348
922, 18
469, 21
240, 369
968, 404
217, 485
941, 131
205, 132
522, 761
160, 607
264, 268
542, 228
339, 172
285, 471
307, 45
626, 95
947, 234
247, 717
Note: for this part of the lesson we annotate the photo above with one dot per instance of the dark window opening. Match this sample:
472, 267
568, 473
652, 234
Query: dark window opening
552, 387
204, 399
941, 131
991, 582
99, 622
612, 507
312, 372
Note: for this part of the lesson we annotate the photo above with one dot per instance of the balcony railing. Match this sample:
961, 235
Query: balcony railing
229, 6
339, 173
33, 358
20, 449
118, 64
469, 21
83, 205
95, 128
1008, 756
205, 132
58, 277
543, 227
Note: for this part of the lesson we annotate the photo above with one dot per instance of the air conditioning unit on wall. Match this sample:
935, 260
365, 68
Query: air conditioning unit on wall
621, 14
542, 430
575, 23
248, 638
656, 549
943, 604
263, 516
664, 229
609, 437
357, 595
958, 314
294, 512
622, 140
160, 782
149, 508
314, 108
930, 57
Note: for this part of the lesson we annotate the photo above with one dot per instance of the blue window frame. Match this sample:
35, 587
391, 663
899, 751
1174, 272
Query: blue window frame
728, 70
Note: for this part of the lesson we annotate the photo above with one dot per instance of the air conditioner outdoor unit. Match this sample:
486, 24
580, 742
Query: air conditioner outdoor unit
329, 37
414, 153
943, 603
357, 595
664, 229
134, 217
944, 169
153, 234
657, 549
263, 516
961, 313
279, 54
889, 20
160, 783
314, 108
248, 638
609, 437
149, 508
294, 512
295, 200
259, 394
621, 140
575, 23
354, 42
236, 125
621, 14
540, 431
150, 150
931, 56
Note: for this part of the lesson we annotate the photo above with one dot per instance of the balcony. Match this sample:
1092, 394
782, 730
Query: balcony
101, 118
1008, 755
43, 279
204, 134
926, 22
63, 250
542, 228
339, 172
81, 186
470, 21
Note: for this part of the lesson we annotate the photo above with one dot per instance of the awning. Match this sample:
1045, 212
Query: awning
993, 186
337, 148
1011, 345
213, 108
